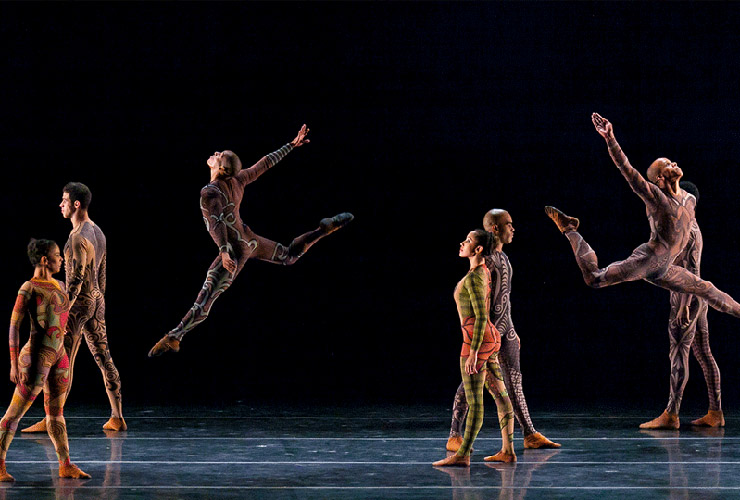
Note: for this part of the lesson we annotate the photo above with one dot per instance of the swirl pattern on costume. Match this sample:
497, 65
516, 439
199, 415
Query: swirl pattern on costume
220, 203
43, 364
670, 225
86, 260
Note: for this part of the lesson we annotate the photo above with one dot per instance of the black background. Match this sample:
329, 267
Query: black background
423, 116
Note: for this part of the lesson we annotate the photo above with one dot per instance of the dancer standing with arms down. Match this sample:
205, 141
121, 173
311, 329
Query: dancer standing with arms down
479, 354
219, 202
670, 211
86, 256
499, 223
42, 364
688, 330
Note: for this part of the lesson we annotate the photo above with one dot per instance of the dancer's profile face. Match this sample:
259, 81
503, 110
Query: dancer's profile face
54, 260
469, 247
504, 228
217, 160
68, 208
663, 172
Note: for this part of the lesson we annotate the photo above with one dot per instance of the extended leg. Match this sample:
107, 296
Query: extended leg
97, 341
637, 266
680, 280
277, 253
703, 354
218, 280
497, 388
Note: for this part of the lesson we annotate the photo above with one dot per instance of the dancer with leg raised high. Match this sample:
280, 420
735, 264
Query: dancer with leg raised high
499, 222
219, 202
688, 330
42, 364
670, 211
479, 354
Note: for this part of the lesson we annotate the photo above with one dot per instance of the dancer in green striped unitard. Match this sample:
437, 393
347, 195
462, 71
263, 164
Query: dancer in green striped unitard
479, 354
42, 364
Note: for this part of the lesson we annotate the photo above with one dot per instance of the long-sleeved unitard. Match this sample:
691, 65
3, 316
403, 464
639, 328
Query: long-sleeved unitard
508, 356
43, 363
85, 267
692, 335
219, 202
472, 296
670, 224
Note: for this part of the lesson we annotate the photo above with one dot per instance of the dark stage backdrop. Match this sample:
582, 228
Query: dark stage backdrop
422, 117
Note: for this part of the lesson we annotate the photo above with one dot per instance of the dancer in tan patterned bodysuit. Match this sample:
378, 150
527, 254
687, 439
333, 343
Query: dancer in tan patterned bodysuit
237, 243
670, 211
85, 268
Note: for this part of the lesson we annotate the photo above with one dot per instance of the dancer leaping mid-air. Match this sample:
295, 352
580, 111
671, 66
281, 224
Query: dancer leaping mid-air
670, 211
219, 202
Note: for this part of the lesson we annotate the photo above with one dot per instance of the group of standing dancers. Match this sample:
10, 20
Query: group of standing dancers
670, 259
60, 313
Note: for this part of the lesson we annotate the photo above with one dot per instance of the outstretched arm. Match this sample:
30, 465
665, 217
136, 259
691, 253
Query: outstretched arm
637, 182
16, 318
251, 174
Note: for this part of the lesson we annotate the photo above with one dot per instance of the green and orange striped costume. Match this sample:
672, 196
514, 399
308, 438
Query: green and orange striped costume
472, 296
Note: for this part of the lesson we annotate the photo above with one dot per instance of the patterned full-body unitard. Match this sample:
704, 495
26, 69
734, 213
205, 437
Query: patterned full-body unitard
219, 202
472, 296
42, 363
692, 334
508, 355
670, 224
85, 267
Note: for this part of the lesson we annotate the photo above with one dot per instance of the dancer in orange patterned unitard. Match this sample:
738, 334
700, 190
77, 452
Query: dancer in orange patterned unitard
237, 243
42, 364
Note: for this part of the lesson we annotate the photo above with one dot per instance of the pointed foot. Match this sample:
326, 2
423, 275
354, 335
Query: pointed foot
331, 224
115, 424
4, 476
39, 426
564, 222
713, 418
501, 456
666, 421
164, 345
453, 461
71, 471
537, 441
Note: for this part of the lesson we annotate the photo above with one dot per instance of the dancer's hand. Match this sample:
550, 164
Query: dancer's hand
14, 374
300, 139
228, 263
602, 125
470, 367
684, 316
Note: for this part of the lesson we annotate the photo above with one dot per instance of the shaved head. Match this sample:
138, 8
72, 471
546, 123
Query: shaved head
493, 218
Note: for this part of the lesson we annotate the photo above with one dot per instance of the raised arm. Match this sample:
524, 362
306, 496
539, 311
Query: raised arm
637, 182
77, 265
16, 318
251, 174
218, 214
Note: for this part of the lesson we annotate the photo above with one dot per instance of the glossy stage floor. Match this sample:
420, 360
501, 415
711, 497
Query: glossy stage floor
370, 452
